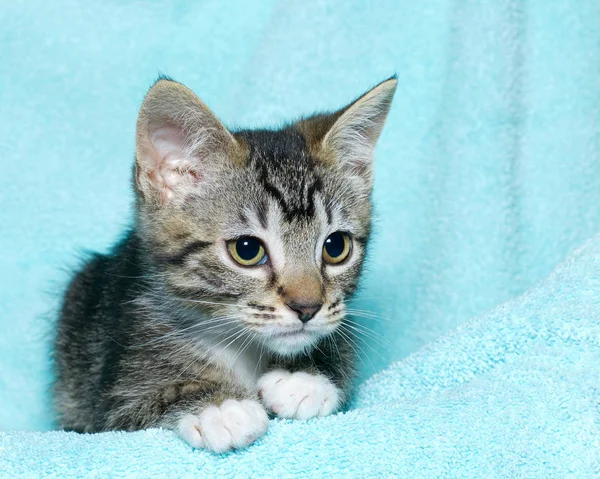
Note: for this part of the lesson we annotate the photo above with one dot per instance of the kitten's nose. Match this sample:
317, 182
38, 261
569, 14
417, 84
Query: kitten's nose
305, 311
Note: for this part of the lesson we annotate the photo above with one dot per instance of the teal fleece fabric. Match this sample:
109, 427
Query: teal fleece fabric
513, 393
487, 172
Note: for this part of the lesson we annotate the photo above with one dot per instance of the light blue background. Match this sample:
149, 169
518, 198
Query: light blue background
488, 170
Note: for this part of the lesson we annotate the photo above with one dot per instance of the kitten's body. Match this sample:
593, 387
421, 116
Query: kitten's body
122, 363
168, 330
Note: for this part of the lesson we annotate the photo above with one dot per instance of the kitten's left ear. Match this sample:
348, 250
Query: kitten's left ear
348, 136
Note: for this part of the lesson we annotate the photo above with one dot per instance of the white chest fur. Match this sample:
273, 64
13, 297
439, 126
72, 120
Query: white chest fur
245, 360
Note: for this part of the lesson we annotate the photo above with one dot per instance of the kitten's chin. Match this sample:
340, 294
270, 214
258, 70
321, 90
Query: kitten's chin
292, 343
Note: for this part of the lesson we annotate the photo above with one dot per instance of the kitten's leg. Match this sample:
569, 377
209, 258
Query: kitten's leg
211, 413
309, 385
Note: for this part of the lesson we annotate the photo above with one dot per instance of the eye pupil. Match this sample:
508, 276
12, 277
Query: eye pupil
335, 245
248, 248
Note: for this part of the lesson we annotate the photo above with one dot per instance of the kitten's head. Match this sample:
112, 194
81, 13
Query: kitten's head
266, 229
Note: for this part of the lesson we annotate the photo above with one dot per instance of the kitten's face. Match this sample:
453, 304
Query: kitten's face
287, 204
270, 236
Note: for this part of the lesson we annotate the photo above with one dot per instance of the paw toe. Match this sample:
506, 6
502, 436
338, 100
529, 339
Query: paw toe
298, 395
189, 429
231, 425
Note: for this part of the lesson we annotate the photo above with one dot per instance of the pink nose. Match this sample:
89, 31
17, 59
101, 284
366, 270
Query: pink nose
305, 311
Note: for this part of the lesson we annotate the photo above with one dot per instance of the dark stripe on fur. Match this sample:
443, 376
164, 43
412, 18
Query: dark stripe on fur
261, 212
317, 186
291, 213
328, 212
178, 259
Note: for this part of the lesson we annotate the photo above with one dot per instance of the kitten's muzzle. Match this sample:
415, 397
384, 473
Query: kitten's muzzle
305, 312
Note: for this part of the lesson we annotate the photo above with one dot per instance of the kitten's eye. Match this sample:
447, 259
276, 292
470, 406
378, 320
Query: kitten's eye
337, 247
247, 251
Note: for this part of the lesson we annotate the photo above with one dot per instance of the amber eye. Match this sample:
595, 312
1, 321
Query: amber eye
247, 251
337, 247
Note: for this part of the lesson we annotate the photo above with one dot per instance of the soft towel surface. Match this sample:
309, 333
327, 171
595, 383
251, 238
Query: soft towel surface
514, 393
488, 172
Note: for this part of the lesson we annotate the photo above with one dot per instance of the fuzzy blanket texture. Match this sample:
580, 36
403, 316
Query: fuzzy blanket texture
487, 175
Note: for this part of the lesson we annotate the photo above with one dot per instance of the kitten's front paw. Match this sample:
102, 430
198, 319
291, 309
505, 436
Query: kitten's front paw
231, 425
298, 395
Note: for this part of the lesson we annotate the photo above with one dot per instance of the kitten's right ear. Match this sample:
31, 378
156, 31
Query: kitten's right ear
179, 142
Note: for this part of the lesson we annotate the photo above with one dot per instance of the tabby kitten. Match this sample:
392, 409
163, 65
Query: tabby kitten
226, 299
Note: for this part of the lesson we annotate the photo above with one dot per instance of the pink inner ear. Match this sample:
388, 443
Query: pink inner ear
170, 163
169, 143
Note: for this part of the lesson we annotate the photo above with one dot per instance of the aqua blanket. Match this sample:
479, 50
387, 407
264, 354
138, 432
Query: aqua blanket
487, 175
513, 393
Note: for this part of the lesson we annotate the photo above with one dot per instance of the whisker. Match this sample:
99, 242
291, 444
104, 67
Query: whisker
365, 343
205, 353
190, 342
145, 276
260, 356
185, 300
378, 343
179, 332
359, 298
334, 344
244, 346
366, 331
352, 338
352, 346
366, 315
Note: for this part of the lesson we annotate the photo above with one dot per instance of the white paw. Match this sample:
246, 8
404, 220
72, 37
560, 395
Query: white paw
298, 395
231, 425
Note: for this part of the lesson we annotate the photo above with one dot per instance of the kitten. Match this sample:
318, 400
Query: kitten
226, 299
